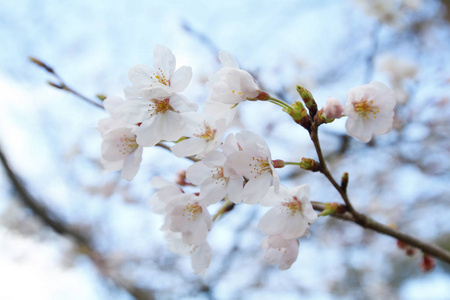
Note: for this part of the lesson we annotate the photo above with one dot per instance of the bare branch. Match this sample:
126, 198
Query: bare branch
83, 242
364, 221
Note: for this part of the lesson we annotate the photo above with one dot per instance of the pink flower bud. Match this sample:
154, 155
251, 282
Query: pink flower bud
333, 108
427, 263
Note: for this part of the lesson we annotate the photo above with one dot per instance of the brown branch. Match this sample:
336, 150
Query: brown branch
364, 221
62, 85
83, 242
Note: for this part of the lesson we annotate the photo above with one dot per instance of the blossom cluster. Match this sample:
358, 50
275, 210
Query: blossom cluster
231, 168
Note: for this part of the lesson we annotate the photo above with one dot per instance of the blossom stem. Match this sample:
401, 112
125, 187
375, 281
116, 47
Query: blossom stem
364, 221
279, 103
62, 85
292, 163
227, 206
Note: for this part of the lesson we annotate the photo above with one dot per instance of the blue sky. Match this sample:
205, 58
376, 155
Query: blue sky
50, 136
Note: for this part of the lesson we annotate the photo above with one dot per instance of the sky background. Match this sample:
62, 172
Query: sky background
49, 137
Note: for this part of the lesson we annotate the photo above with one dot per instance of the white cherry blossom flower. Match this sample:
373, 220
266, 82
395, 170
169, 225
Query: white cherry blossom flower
234, 86
253, 161
166, 192
291, 216
204, 132
119, 148
215, 181
162, 75
280, 251
187, 215
231, 85
370, 110
158, 114
200, 255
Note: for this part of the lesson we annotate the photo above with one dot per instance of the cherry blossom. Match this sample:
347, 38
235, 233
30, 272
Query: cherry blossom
370, 110
187, 215
200, 255
215, 181
280, 251
162, 75
291, 216
253, 160
231, 85
166, 191
158, 114
119, 148
204, 132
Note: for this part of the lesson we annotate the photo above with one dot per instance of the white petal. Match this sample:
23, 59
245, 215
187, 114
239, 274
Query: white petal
111, 103
227, 60
141, 75
146, 134
164, 59
180, 79
201, 258
212, 191
235, 187
170, 126
181, 104
357, 129
189, 147
131, 164
133, 111
197, 173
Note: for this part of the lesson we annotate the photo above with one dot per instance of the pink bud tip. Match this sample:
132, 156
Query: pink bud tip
263, 96
333, 108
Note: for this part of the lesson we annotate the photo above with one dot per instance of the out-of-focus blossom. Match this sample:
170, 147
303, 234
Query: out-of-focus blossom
166, 192
399, 71
200, 255
187, 215
386, 11
280, 251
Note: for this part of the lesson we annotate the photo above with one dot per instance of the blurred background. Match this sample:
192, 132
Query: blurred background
69, 231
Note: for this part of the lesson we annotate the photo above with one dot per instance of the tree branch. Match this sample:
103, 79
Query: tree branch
83, 242
364, 221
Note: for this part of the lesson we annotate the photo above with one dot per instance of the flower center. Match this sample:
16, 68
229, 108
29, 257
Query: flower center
236, 93
293, 205
160, 77
159, 107
260, 166
193, 210
208, 134
126, 145
217, 175
364, 108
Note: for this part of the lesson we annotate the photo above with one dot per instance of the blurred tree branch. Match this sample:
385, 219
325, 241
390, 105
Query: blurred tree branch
83, 242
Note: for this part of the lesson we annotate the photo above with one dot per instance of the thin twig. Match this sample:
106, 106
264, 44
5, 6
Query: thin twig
364, 221
62, 84
369, 223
